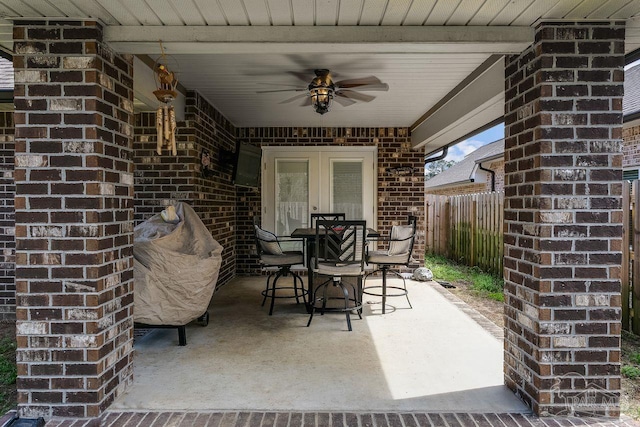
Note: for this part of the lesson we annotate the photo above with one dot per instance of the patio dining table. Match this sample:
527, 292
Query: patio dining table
309, 236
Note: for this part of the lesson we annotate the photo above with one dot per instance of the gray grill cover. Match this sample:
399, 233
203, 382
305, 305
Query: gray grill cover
175, 269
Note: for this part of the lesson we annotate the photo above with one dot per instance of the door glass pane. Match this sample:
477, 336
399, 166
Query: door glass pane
346, 186
292, 195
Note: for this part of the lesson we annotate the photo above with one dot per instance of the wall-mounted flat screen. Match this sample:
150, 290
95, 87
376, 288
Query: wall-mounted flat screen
246, 171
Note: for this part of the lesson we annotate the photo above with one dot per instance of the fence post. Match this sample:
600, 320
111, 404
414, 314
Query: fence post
472, 229
447, 227
427, 226
635, 306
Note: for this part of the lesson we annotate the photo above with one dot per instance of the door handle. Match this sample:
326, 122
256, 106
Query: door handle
315, 208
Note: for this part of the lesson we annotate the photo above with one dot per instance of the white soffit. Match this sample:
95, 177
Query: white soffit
476, 102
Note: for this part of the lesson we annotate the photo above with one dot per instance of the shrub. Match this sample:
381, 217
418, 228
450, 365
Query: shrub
630, 371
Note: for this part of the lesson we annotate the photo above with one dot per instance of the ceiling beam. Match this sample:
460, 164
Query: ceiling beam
336, 39
475, 102
144, 84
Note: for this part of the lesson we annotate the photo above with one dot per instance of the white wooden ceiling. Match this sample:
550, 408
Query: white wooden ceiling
323, 12
229, 80
415, 81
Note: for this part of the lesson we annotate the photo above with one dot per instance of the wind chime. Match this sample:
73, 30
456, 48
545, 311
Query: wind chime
166, 82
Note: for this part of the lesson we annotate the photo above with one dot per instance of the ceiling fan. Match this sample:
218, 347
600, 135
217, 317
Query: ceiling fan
322, 90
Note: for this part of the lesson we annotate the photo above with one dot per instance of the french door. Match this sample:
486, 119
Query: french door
298, 181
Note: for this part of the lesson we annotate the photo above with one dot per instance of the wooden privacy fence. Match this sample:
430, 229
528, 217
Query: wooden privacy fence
630, 257
467, 228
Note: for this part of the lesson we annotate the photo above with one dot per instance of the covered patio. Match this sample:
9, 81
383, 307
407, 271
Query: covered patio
80, 169
432, 358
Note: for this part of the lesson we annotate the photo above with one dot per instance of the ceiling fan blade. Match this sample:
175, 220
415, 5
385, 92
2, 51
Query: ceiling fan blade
343, 100
355, 95
279, 84
373, 87
280, 90
371, 80
306, 102
293, 98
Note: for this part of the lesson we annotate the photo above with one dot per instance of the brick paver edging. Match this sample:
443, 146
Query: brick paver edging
340, 419
327, 419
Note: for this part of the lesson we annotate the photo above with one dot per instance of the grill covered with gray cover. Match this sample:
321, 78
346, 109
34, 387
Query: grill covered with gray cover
176, 268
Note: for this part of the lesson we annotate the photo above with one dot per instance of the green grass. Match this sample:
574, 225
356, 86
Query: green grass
8, 373
485, 284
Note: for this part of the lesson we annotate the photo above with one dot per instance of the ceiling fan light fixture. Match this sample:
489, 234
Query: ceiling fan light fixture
322, 90
321, 98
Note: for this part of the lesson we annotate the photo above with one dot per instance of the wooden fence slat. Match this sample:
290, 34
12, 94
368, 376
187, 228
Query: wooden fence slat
626, 214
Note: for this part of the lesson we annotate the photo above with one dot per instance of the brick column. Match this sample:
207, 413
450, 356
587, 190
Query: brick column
74, 219
7, 217
563, 221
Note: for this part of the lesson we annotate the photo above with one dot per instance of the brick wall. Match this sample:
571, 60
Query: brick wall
498, 168
471, 188
398, 196
74, 219
563, 231
162, 180
631, 151
7, 218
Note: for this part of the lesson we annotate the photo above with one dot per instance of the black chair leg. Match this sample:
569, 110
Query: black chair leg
384, 289
302, 293
357, 300
311, 316
406, 293
302, 290
324, 298
313, 307
273, 294
360, 296
266, 291
404, 286
345, 291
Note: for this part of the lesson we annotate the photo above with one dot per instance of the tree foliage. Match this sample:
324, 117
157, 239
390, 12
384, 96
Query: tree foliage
434, 168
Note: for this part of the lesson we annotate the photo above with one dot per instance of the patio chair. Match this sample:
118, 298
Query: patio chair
325, 217
339, 253
272, 257
397, 254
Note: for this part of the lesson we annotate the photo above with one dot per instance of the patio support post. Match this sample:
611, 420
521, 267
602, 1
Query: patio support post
563, 219
74, 219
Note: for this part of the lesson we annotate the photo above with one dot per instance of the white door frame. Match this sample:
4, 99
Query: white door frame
317, 156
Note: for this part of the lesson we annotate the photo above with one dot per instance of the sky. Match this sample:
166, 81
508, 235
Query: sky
461, 149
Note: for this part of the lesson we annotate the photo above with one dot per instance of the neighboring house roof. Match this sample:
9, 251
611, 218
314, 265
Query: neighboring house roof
6, 74
465, 171
631, 99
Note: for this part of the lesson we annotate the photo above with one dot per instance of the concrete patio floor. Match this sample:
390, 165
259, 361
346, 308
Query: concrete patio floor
432, 358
